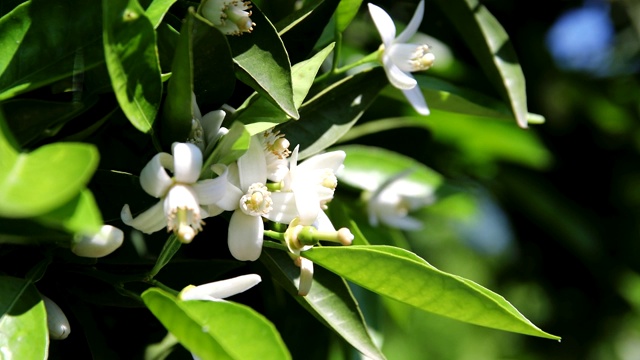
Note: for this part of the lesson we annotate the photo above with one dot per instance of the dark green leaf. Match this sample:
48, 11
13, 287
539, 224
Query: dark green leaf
23, 320
217, 330
346, 11
80, 215
333, 111
40, 45
403, 276
229, 149
490, 44
329, 300
132, 60
263, 63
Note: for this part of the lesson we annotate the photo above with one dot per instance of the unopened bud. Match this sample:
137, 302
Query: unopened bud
57, 322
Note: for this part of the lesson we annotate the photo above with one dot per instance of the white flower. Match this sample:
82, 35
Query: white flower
103, 243
250, 199
276, 151
218, 290
231, 17
400, 59
181, 195
205, 130
57, 322
393, 201
307, 188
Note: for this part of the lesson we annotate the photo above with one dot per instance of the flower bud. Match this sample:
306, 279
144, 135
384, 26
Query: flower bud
103, 243
57, 322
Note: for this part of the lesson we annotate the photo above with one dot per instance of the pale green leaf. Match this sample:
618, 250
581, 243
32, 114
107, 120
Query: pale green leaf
157, 10
346, 11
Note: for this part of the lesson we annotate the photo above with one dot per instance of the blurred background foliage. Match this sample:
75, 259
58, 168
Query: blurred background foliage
554, 229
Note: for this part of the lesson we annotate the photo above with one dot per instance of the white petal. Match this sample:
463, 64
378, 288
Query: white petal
384, 24
323, 223
211, 125
150, 221
221, 289
154, 178
284, 207
416, 99
229, 201
106, 241
252, 166
210, 191
332, 160
398, 78
245, 236
187, 162
308, 205
413, 25
306, 276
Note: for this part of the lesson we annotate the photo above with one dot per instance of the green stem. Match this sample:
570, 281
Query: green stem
274, 245
373, 57
274, 235
162, 286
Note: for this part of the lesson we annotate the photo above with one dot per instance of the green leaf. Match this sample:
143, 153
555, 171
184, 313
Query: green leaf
132, 60
369, 167
346, 11
40, 45
23, 320
490, 44
404, 276
215, 329
262, 63
300, 31
258, 109
32, 184
233, 145
333, 111
156, 11
329, 300
80, 215
481, 140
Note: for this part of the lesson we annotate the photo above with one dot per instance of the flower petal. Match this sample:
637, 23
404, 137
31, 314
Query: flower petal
308, 205
384, 24
211, 125
148, 222
332, 160
252, 166
402, 222
154, 178
323, 223
413, 25
398, 78
106, 241
416, 99
211, 191
306, 276
245, 236
221, 289
284, 208
187, 162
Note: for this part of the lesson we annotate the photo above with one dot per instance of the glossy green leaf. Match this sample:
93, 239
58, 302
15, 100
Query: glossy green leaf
329, 300
258, 109
23, 320
156, 11
229, 148
40, 45
37, 182
482, 140
333, 111
132, 60
80, 215
346, 11
369, 167
403, 276
217, 330
490, 44
263, 63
